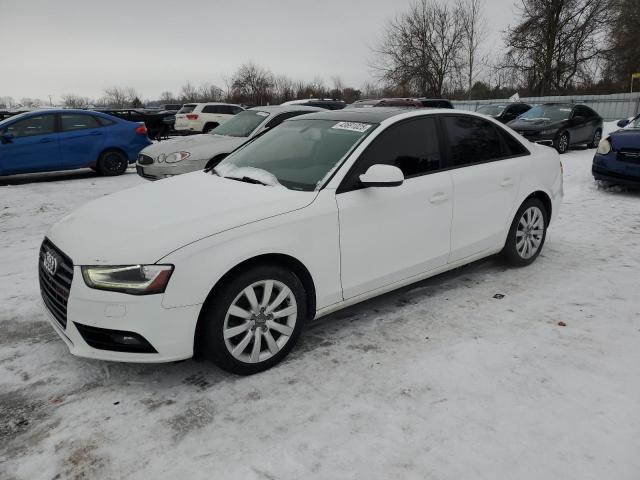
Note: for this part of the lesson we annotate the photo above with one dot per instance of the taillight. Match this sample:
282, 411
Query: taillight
141, 129
192, 116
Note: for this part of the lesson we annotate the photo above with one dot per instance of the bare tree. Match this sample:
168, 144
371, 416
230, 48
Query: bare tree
555, 42
623, 58
167, 97
188, 93
421, 50
120, 97
7, 101
475, 33
283, 89
208, 92
252, 84
71, 100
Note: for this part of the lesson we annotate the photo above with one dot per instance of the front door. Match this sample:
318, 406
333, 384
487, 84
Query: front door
30, 145
389, 234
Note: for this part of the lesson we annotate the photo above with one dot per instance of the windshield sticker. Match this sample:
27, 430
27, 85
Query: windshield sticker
262, 114
352, 126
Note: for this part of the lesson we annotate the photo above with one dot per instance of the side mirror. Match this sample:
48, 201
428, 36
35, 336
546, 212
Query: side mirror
382, 176
623, 123
6, 137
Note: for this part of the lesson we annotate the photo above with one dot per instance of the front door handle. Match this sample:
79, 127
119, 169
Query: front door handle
46, 140
439, 197
506, 182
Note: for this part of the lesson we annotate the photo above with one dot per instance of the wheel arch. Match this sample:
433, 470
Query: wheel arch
278, 259
109, 149
545, 199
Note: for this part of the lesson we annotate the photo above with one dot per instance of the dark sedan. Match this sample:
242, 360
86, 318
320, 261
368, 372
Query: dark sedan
617, 159
505, 112
560, 125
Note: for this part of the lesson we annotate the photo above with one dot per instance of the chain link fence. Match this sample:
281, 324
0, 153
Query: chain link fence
609, 107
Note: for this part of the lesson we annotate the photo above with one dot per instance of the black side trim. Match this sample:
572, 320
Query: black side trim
114, 340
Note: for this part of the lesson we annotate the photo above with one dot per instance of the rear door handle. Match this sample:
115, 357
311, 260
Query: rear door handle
46, 140
506, 182
439, 197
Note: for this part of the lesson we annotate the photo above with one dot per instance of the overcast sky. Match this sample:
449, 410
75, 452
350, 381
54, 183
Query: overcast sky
52, 47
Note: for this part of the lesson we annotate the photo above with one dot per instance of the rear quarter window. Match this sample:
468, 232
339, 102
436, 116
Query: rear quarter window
187, 109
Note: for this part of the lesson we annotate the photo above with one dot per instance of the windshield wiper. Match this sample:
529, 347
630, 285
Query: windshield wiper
248, 180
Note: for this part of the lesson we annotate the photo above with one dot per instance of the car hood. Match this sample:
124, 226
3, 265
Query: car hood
534, 124
199, 146
626, 138
143, 224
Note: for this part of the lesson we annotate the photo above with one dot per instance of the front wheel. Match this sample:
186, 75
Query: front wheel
254, 321
597, 136
527, 233
111, 163
562, 143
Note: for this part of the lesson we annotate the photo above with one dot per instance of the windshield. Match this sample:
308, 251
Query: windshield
297, 155
554, 113
635, 123
241, 125
492, 110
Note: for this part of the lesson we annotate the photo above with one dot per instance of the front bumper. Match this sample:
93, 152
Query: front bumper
609, 169
170, 331
158, 171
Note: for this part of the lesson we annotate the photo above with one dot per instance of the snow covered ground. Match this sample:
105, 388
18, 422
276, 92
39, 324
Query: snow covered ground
438, 381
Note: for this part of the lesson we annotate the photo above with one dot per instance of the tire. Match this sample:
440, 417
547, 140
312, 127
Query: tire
209, 126
562, 143
112, 163
529, 226
229, 313
597, 136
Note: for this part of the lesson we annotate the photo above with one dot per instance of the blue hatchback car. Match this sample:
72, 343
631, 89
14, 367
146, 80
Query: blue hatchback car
617, 159
49, 140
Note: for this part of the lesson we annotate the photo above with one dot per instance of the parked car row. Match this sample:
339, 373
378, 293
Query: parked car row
325, 210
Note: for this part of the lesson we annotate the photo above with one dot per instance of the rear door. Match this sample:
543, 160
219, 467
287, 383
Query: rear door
486, 177
33, 146
389, 234
82, 137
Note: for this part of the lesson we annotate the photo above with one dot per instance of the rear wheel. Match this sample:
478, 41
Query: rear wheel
527, 234
562, 143
597, 136
254, 321
111, 163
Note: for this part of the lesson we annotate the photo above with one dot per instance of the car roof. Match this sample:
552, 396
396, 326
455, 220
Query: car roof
287, 108
365, 115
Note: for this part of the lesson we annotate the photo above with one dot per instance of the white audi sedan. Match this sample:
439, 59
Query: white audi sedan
324, 211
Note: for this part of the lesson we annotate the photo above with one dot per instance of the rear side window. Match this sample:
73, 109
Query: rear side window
77, 121
187, 108
38, 125
105, 122
412, 146
513, 147
472, 140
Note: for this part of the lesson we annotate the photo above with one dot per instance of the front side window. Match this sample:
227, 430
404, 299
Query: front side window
77, 121
37, 125
472, 140
241, 125
298, 154
412, 146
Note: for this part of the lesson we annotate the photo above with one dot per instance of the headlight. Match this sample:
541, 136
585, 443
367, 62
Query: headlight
548, 132
131, 279
177, 157
604, 147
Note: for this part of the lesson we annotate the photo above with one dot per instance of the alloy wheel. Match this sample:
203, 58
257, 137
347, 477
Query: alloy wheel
530, 232
563, 143
260, 321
